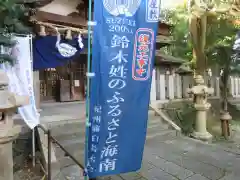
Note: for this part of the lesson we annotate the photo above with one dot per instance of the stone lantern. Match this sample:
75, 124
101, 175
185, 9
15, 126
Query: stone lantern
200, 92
8, 131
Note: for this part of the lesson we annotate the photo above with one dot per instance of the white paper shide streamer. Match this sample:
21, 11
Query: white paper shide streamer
21, 79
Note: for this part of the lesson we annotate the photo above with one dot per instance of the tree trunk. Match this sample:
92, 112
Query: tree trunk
225, 102
198, 27
225, 90
201, 65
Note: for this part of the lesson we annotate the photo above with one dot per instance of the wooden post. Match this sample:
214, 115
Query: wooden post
82, 81
225, 118
225, 128
70, 75
45, 73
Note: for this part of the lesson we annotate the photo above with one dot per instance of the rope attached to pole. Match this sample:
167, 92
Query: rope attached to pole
59, 27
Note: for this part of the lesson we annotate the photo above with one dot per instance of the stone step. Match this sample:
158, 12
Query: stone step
154, 118
77, 140
151, 113
76, 148
59, 120
150, 126
234, 101
159, 130
70, 133
67, 161
68, 129
157, 121
71, 146
70, 136
64, 131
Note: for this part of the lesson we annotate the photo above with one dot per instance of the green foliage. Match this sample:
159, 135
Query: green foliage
220, 51
12, 18
216, 30
220, 35
184, 117
182, 47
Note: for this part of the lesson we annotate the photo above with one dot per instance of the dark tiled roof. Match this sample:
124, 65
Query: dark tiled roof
184, 69
168, 58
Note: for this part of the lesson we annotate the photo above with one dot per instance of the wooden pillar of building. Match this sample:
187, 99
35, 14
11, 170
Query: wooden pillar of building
71, 80
82, 80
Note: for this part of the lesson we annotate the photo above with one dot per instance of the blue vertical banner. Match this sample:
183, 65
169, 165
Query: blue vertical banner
122, 59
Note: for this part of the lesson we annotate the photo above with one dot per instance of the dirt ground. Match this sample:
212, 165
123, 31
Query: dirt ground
23, 169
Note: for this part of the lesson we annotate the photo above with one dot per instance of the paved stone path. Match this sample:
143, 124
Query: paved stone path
175, 158
178, 158
74, 110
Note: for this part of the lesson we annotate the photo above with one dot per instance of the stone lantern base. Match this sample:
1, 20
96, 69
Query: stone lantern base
7, 136
9, 102
206, 136
200, 92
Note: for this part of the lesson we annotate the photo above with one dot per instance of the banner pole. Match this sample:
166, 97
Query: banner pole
33, 148
88, 86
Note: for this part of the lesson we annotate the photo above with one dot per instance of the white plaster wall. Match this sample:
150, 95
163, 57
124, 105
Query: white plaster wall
61, 7
65, 7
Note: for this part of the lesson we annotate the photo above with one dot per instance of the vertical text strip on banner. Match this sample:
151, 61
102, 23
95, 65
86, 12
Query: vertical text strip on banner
21, 79
122, 59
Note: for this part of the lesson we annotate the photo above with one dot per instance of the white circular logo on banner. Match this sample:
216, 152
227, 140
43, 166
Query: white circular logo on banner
122, 7
66, 50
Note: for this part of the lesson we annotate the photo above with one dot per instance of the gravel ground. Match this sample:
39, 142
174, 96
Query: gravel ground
28, 173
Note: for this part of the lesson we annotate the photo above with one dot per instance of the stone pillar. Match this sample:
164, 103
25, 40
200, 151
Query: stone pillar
6, 171
153, 87
232, 89
171, 86
200, 92
217, 88
178, 85
201, 122
236, 86
157, 82
186, 83
162, 86
8, 131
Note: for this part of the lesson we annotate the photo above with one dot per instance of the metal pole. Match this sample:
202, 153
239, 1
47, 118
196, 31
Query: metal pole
88, 86
33, 148
49, 155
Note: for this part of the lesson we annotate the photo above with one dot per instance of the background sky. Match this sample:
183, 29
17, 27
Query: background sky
171, 3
